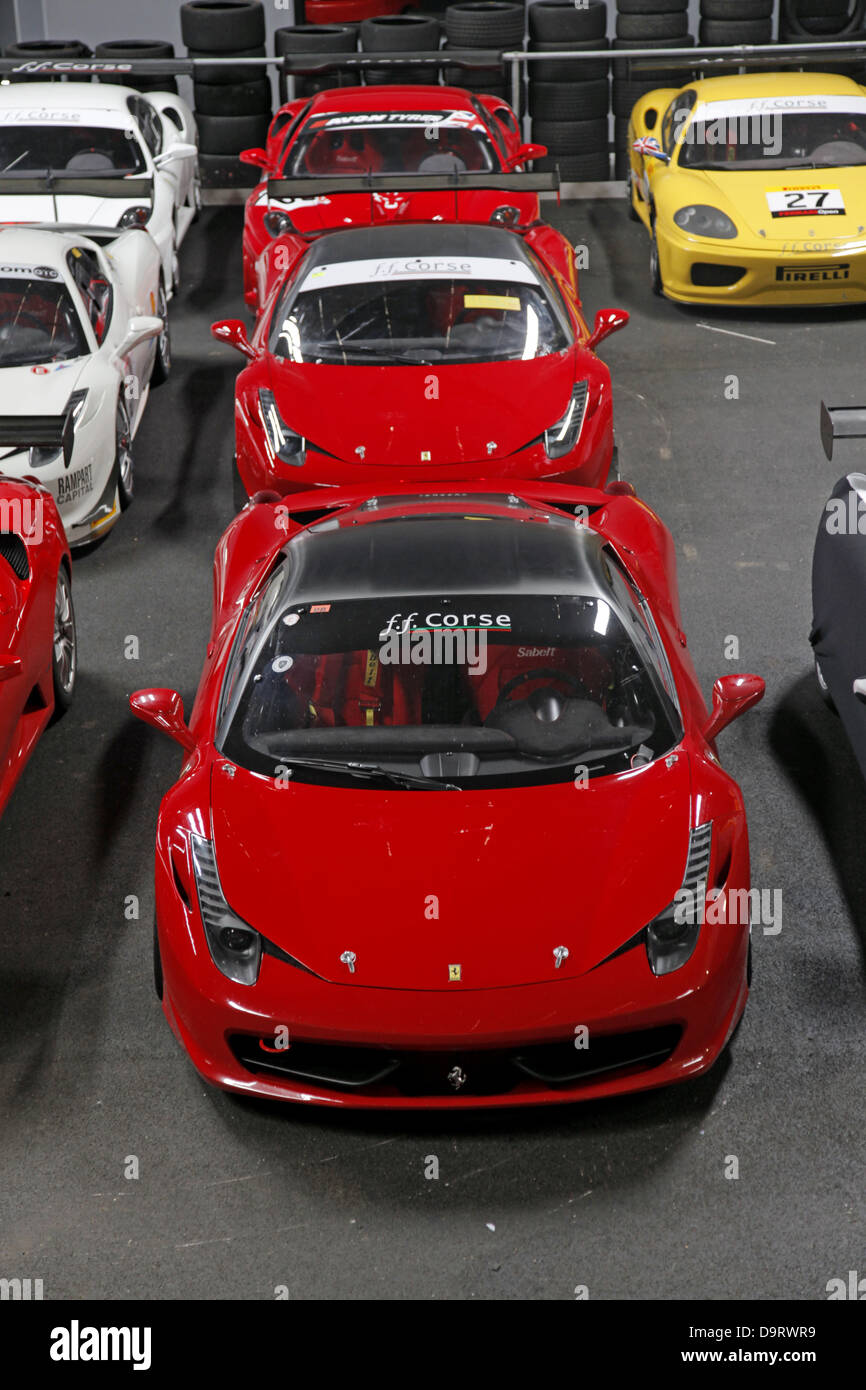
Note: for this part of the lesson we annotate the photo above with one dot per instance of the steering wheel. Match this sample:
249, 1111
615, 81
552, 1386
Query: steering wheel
537, 673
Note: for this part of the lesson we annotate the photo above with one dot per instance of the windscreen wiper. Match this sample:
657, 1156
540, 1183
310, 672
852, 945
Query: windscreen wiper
367, 771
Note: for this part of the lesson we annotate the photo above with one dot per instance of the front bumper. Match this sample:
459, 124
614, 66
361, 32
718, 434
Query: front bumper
694, 270
512, 1045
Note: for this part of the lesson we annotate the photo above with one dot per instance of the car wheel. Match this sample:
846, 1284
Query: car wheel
162, 361
175, 269
123, 456
195, 196
158, 981
824, 688
64, 660
656, 280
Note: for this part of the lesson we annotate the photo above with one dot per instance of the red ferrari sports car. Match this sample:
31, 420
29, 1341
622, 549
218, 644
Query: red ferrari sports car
450, 807
37, 623
427, 352
382, 131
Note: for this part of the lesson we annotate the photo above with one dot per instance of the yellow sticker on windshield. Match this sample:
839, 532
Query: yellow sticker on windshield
490, 301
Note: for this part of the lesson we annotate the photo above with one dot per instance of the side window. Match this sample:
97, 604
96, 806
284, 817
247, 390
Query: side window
148, 122
93, 288
675, 118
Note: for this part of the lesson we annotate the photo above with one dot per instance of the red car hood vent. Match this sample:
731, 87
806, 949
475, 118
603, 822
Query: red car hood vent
417, 416
418, 883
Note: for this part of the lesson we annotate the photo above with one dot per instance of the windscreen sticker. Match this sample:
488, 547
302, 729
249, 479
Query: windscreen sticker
28, 272
490, 301
805, 201
802, 105
408, 120
433, 622
44, 115
418, 268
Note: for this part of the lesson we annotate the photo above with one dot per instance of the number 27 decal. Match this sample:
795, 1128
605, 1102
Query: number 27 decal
805, 202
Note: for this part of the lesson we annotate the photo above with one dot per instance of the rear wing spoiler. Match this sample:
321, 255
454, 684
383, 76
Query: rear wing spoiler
841, 422
468, 58
413, 183
87, 186
38, 432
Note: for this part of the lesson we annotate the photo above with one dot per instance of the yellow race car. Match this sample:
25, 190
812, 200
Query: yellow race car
753, 188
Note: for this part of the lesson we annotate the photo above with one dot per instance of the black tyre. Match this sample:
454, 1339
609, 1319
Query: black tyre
737, 9
651, 6
625, 163
64, 658
578, 168
554, 21
222, 26
625, 94
656, 282
797, 17
651, 26
120, 49
317, 38
717, 32
571, 137
158, 980
223, 73
567, 70
162, 361
399, 33
231, 134
226, 171
484, 24
661, 76
123, 461
232, 98
569, 101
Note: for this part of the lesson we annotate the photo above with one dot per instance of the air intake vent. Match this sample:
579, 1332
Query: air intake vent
698, 863
14, 552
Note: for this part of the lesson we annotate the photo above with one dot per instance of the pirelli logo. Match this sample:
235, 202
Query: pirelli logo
813, 274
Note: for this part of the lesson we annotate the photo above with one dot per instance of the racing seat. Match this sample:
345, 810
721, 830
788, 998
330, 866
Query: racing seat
91, 160
505, 663
343, 152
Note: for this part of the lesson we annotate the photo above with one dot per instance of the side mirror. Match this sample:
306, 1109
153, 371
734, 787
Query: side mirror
524, 153
257, 157
649, 147
10, 666
164, 710
140, 328
233, 332
181, 150
607, 321
859, 686
732, 696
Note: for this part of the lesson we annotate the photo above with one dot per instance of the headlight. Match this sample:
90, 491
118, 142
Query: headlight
561, 438
235, 948
672, 936
701, 220
286, 445
39, 457
278, 222
135, 217
506, 216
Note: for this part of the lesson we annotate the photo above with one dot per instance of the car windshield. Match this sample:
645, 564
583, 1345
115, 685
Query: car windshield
89, 151
406, 311
725, 137
508, 688
394, 142
38, 322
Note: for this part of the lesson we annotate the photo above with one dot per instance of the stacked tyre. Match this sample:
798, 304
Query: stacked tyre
725, 22
298, 39
232, 103
652, 25
400, 33
495, 24
825, 21
120, 50
569, 101
46, 49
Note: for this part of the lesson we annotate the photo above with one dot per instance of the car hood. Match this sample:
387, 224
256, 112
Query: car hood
743, 196
397, 415
414, 882
43, 392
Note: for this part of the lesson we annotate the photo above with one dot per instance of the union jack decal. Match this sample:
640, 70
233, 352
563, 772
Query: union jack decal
647, 144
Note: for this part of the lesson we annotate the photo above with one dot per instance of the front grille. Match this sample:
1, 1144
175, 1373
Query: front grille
383, 1071
716, 276
14, 552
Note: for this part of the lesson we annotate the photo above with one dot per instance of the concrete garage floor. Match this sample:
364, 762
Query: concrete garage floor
627, 1197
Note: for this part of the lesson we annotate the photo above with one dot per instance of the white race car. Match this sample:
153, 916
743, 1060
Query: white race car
94, 153
82, 333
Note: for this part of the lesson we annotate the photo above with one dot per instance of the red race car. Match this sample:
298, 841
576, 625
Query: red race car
425, 352
384, 131
37, 623
450, 809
